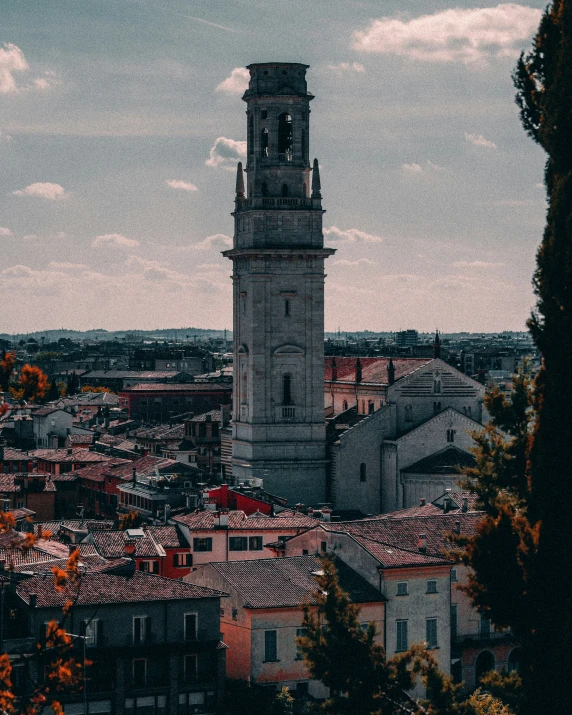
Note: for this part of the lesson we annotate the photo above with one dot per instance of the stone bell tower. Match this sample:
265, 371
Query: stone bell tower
278, 273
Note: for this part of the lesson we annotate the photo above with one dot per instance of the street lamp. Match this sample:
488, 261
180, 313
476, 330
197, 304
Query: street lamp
85, 703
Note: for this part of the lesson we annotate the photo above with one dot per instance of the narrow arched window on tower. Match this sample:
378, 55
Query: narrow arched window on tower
303, 144
362, 472
263, 188
286, 390
250, 134
287, 308
285, 139
264, 142
284, 189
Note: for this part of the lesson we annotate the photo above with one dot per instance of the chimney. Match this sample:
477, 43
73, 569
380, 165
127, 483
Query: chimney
134, 476
310, 511
334, 370
239, 182
457, 527
298, 506
223, 518
422, 501
422, 543
216, 515
447, 504
166, 513
70, 450
358, 370
326, 514
210, 503
390, 372
72, 548
129, 549
465, 506
437, 345
33, 600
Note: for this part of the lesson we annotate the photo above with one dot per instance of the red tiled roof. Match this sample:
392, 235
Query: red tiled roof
15, 455
7, 484
238, 520
45, 411
390, 556
111, 544
63, 455
167, 536
288, 582
374, 369
173, 387
104, 588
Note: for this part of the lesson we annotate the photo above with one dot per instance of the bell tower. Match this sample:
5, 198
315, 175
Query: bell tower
278, 275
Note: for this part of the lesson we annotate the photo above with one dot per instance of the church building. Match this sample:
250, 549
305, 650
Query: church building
278, 277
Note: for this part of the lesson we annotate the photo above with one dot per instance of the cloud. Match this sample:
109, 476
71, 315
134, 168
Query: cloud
225, 153
219, 240
4, 137
452, 35
182, 185
479, 140
5, 232
352, 235
359, 262
44, 190
12, 61
116, 240
64, 266
414, 168
236, 83
344, 67
476, 264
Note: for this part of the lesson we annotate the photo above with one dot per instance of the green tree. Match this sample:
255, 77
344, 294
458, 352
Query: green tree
53, 392
362, 681
72, 387
522, 551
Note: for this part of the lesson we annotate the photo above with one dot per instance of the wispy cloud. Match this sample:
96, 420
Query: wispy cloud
236, 83
5, 232
225, 153
414, 168
351, 235
359, 262
43, 190
65, 266
4, 137
452, 35
218, 241
479, 140
345, 67
12, 62
181, 185
116, 240
476, 264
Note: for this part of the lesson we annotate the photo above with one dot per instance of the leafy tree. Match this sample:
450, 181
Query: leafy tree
64, 672
6, 369
32, 386
362, 681
522, 551
130, 520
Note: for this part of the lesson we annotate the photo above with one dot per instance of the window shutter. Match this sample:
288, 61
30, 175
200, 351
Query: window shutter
99, 635
148, 628
175, 559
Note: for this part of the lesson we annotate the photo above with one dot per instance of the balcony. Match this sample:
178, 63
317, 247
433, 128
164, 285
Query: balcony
287, 413
481, 638
265, 202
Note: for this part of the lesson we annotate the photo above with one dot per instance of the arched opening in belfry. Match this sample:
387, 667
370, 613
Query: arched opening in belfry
284, 189
264, 188
285, 138
287, 390
250, 135
264, 142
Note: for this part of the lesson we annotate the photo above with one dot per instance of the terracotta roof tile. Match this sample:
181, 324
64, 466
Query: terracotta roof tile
63, 455
374, 369
167, 536
104, 588
111, 544
239, 520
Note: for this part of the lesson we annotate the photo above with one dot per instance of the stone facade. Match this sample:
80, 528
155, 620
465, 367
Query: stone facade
278, 274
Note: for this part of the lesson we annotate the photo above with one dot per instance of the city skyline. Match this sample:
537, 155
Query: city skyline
120, 140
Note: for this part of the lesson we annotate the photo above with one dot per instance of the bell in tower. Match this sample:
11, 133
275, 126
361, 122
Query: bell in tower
278, 276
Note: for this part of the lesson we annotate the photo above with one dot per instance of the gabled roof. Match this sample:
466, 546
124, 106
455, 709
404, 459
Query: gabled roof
448, 411
288, 582
205, 520
374, 369
168, 537
111, 544
65, 455
447, 461
45, 411
104, 589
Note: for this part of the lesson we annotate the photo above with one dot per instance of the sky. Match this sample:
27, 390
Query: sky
121, 123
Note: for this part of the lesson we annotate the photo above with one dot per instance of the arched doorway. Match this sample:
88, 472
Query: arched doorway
485, 662
514, 659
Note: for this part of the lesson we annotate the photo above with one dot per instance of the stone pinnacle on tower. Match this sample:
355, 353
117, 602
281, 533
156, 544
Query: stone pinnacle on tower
239, 181
316, 186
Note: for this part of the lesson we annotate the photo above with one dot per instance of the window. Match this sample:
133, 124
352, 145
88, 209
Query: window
371, 408
323, 547
286, 390
287, 308
285, 138
436, 407
437, 385
180, 560
250, 135
92, 631
284, 189
238, 543
255, 543
513, 659
139, 672
141, 629
264, 188
451, 435
345, 405
362, 472
485, 626
431, 632
190, 668
300, 633
402, 588
454, 625
264, 142
205, 544
431, 586
408, 413
454, 577
191, 626
149, 566
263, 114
270, 646
402, 640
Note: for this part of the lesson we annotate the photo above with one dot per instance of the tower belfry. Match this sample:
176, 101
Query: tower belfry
278, 274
